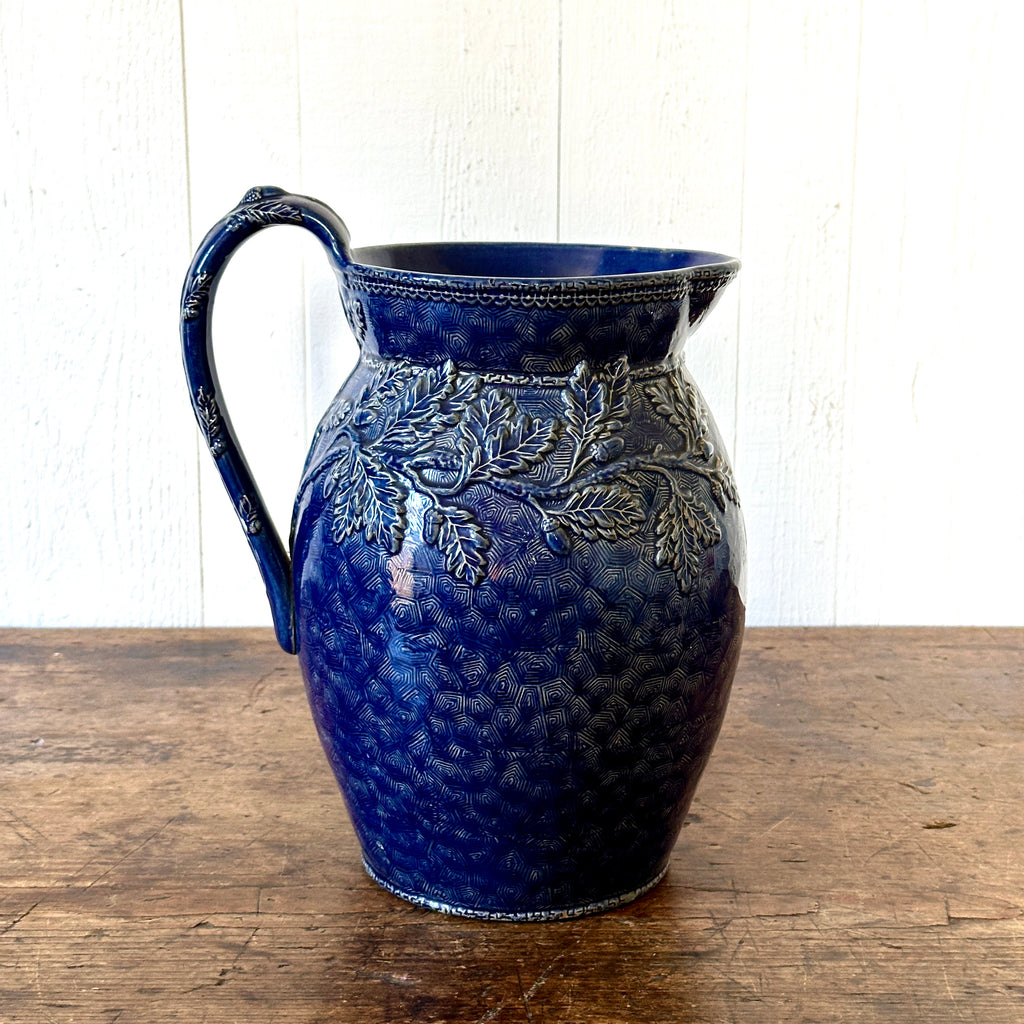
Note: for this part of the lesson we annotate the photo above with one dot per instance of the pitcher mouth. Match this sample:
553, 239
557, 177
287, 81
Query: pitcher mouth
535, 275
537, 262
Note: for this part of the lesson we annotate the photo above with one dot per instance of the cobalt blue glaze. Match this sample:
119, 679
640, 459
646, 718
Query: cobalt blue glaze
517, 560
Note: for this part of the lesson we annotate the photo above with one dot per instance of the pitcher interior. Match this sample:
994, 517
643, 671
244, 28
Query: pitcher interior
532, 260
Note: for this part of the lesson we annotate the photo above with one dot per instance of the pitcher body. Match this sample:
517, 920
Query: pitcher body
515, 574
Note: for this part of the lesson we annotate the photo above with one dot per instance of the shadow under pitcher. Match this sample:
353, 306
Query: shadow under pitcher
516, 569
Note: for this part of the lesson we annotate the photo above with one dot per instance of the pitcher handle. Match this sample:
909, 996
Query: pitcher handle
259, 208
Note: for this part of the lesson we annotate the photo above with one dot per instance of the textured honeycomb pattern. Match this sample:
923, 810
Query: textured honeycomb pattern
534, 339
526, 744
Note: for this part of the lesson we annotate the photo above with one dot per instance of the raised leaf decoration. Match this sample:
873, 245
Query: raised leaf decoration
414, 410
721, 483
464, 393
249, 515
724, 479
526, 443
596, 404
401, 419
341, 470
680, 403
350, 487
677, 401
387, 382
264, 213
194, 302
209, 418
685, 528
509, 441
461, 541
386, 505
437, 431
699, 519
372, 499
608, 512
717, 492
486, 420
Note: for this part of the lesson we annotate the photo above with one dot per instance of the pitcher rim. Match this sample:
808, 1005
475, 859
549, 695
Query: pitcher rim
707, 273
699, 262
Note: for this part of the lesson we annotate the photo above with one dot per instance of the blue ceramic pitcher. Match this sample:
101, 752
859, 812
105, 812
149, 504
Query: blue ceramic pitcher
515, 574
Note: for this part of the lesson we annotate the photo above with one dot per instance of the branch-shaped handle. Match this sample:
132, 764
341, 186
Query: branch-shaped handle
259, 208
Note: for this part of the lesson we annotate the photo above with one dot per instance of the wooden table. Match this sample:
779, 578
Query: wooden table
174, 849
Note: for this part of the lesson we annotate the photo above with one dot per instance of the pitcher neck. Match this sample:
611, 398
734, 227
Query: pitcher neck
542, 326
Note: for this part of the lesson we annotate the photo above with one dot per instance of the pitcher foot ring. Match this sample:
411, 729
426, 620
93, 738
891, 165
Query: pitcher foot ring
553, 914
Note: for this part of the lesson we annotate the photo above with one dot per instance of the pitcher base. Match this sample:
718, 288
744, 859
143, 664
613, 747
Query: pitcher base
553, 914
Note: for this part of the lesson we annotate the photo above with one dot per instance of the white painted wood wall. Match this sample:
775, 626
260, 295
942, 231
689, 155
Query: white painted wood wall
862, 157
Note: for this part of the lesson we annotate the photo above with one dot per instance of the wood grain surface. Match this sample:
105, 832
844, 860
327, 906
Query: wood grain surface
173, 848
